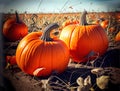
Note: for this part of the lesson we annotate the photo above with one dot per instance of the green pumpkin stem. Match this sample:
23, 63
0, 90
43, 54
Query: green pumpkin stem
83, 20
17, 17
48, 29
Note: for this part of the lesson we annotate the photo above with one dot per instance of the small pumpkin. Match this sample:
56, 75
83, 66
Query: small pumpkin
117, 37
104, 23
84, 39
96, 21
65, 23
14, 29
38, 54
75, 22
11, 59
112, 29
68, 22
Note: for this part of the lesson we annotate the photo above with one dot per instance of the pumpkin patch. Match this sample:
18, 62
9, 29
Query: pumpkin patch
64, 51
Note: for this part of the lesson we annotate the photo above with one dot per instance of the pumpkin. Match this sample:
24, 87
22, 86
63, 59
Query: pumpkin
84, 39
117, 37
14, 29
38, 54
104, 23
11, 59
112, 29
75, 22
67, 22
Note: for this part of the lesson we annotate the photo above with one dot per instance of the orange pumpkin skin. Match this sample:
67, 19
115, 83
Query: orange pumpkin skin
13, 30
33, 53
83, 39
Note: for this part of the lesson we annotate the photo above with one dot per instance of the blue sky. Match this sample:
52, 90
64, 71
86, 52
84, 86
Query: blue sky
59, 6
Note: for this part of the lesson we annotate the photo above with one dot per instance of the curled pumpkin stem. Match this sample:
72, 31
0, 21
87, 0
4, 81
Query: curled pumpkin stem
83, 20
17, 17
46, 33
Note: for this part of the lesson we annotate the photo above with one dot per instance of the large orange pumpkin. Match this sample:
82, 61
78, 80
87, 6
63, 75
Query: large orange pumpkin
38, 52
14, 29
84, 38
